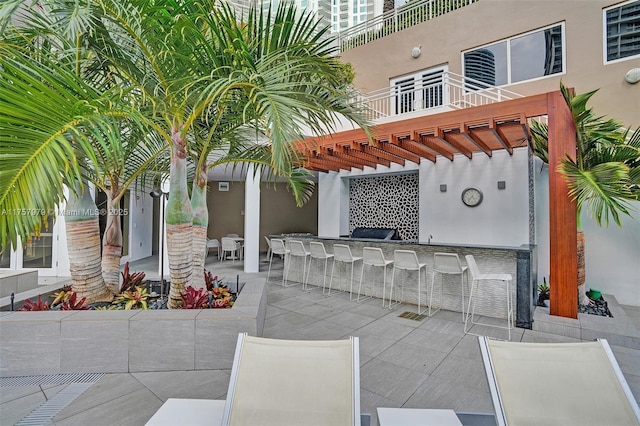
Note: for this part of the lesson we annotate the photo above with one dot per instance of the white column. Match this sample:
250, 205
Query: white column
252, 221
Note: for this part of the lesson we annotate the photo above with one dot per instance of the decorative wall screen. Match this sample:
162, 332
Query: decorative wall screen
385, 202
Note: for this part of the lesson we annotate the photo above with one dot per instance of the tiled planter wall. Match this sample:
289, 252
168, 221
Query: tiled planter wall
128, 341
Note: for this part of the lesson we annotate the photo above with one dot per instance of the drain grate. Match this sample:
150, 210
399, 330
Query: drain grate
412, 316
44, 414
76, 383
49, 379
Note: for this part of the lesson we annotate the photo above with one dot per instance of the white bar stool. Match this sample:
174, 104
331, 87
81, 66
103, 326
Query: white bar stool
478, 292
317, 251
296, 249
407, 260
373, 256
342, 253
446, 264
278, 247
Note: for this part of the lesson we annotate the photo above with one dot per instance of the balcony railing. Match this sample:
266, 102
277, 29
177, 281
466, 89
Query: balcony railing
408, 15
451, 91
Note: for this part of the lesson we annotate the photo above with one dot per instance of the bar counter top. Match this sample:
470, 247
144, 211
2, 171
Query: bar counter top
407, 242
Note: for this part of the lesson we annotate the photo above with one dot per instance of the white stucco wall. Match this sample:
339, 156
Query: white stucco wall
501, 219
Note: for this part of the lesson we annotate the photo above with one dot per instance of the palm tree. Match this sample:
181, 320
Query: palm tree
605, 175
196, 63
49, 75
196, 66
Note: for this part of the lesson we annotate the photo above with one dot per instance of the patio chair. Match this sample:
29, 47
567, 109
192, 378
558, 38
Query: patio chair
342, 253
557, 383
213, 243
229, 245
406, 260
484, 288
278, 247
373, 256
318, 252
446, 264
294, 382
296, 249
268, 245
280, 382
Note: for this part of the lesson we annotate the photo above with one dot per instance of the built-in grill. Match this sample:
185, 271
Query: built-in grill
375, 233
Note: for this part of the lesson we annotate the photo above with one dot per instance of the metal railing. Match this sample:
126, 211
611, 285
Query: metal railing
408, 15
451, 91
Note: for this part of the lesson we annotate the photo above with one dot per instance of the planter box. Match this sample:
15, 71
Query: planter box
129, 341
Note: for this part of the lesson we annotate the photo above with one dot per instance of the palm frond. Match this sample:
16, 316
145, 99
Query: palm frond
46, 115
603, 190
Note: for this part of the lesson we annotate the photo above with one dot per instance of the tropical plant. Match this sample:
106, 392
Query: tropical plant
34, 306
211, 281
194, 298
73, 304
133, 299
605, 175
63, 294
214, 80
543, 292
73, 119
131, 280
204, 82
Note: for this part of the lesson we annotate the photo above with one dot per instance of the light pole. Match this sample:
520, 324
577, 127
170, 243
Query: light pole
160, 194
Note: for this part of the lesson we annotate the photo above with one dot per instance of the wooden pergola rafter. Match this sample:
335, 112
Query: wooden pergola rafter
479, 130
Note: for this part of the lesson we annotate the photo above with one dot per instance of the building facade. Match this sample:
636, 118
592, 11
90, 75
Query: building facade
510, 47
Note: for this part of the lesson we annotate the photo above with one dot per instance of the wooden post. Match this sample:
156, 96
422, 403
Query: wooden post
563, 280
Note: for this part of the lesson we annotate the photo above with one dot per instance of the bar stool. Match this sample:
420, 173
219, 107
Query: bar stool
407, 260
278, 247
317, 251
475, 294
296, 249
446, 264
373, 256
342, 253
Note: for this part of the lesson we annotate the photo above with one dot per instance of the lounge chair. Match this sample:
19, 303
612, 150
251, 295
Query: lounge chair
283, 382
557, 383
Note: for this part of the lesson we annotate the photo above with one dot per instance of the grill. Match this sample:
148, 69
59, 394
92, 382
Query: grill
375, 233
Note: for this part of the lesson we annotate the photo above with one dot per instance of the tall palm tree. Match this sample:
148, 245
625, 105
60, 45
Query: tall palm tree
110, 148
198, 63
195, 63
605, 176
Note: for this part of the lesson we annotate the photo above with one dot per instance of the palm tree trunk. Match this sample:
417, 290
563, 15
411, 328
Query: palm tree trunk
112, 244
200, 224
582, 274
83, 246
179, 222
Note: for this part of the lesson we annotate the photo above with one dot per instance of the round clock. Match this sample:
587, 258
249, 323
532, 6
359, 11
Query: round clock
471, 197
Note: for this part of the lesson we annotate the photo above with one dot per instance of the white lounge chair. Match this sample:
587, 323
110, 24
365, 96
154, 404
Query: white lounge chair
280, 382
557, 383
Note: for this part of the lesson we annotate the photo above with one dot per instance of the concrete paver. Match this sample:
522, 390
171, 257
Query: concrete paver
404, 363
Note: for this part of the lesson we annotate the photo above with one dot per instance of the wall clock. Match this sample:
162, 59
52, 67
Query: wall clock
472, 197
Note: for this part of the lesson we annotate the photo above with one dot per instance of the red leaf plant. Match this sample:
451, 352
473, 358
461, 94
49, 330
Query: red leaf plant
34, 306
195, 299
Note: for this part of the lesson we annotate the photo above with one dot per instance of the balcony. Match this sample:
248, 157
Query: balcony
410, 14
448, 91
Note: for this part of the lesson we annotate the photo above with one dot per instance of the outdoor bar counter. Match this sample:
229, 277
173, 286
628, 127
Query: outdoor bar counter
517, 261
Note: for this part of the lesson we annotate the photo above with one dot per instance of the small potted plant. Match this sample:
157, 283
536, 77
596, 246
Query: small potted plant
543, 294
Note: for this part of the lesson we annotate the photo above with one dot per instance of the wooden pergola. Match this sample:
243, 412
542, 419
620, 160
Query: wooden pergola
474, 131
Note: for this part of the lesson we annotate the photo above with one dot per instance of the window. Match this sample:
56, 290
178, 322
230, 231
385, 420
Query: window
525, 57
622, 31
419, 91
